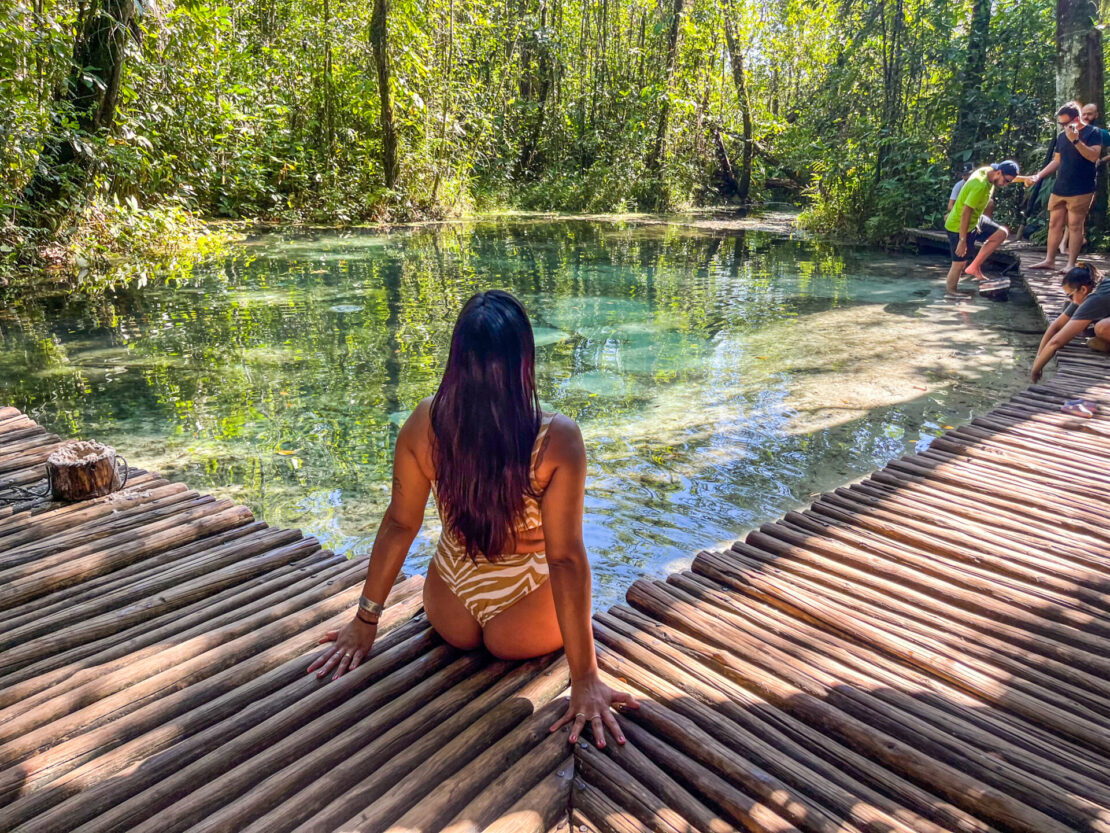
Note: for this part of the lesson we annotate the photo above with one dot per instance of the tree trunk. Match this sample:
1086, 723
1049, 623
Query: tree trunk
82, 470
329, 103
893, 66
379, 42
655, 159
89, 97
739, 78
965, 135
729, 186
535, 85
1078, 52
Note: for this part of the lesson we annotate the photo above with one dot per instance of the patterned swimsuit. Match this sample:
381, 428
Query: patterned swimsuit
486, 588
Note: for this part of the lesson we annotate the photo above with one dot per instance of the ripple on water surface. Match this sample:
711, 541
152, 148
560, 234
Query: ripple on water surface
719, 380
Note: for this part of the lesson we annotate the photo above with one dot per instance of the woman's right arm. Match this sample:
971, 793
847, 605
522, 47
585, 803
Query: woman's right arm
562, 507
398, 529
1050, 346
1052, 330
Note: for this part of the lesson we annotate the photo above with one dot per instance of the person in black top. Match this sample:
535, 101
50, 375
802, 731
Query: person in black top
1078, 149
1088, 306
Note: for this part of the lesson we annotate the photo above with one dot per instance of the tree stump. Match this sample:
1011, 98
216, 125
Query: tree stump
82, 469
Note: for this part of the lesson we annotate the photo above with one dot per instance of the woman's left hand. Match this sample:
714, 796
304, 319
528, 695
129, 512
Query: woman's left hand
352, 646
590, 701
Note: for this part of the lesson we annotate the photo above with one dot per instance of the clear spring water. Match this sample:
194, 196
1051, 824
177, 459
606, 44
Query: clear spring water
720, 378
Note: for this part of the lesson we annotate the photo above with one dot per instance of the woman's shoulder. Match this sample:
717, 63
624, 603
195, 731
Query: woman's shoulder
564, 439
419, 423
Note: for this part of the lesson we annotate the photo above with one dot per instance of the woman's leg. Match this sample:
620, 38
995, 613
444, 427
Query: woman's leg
1101, 341
448, 615
527, 629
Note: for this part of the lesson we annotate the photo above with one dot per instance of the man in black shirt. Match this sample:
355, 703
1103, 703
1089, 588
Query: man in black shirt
1078, 149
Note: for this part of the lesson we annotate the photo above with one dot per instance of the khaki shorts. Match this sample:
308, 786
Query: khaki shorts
1080, 204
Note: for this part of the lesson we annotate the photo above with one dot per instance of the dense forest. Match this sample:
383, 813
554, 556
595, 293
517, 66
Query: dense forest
139, 114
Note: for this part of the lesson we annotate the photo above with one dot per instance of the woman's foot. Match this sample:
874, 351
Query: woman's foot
1099, 344
1044, 264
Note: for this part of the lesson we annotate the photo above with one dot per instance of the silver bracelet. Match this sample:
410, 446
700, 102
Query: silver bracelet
369, 607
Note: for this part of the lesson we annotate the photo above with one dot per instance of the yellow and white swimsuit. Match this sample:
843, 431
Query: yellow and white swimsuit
486, 588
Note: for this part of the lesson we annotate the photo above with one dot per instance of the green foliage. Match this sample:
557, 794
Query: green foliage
269, 109
111, 242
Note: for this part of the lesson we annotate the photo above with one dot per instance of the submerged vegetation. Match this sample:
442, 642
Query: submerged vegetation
345, 112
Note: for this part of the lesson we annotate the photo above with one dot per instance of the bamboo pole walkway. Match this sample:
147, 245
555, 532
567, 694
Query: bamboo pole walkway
927, 650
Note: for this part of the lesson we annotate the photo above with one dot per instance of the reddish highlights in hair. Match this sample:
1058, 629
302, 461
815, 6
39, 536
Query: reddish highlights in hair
485, 419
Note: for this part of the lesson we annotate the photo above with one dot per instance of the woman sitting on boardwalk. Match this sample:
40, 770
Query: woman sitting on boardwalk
508, 480
1088, 303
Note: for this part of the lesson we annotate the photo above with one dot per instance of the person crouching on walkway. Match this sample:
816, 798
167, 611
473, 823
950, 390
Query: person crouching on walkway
511, 570
1088, 303
966, 226
1078, 150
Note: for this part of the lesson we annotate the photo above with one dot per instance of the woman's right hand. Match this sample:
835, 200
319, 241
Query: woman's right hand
352, 646
591, 702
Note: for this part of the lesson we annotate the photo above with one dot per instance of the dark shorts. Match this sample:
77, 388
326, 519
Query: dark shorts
985, 229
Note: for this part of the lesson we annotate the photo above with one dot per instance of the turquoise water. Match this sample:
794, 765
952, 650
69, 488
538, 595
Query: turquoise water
720, 378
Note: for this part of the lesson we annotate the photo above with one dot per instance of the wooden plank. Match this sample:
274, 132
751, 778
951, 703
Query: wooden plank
143, 638
785, 747
394, 754
543, 809
591, 803
529, 793
649, 761
846, 667
229, 669
792, 693
106, 803
440, 763
67, 568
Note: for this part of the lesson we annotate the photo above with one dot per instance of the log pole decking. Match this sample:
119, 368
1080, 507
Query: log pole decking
927, 650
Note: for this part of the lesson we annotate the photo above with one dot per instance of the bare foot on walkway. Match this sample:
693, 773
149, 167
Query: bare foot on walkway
1099, 344
975, 272
1044, 264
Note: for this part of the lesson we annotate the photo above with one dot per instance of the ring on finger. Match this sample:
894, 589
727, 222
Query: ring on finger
595, 717
580, 714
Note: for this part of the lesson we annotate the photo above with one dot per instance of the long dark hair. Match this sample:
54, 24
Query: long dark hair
485, 419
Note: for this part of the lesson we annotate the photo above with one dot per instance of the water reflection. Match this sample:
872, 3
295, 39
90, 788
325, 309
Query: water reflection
719, 379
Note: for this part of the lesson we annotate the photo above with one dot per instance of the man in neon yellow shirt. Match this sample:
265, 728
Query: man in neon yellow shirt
967, 227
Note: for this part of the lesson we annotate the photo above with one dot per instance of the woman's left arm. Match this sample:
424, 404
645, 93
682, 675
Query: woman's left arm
1065, 334
561, 507
402, 521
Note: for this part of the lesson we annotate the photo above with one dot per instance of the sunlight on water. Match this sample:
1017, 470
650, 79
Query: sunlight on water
720, 380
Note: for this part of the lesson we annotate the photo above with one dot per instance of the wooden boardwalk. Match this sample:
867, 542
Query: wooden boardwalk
927, 650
